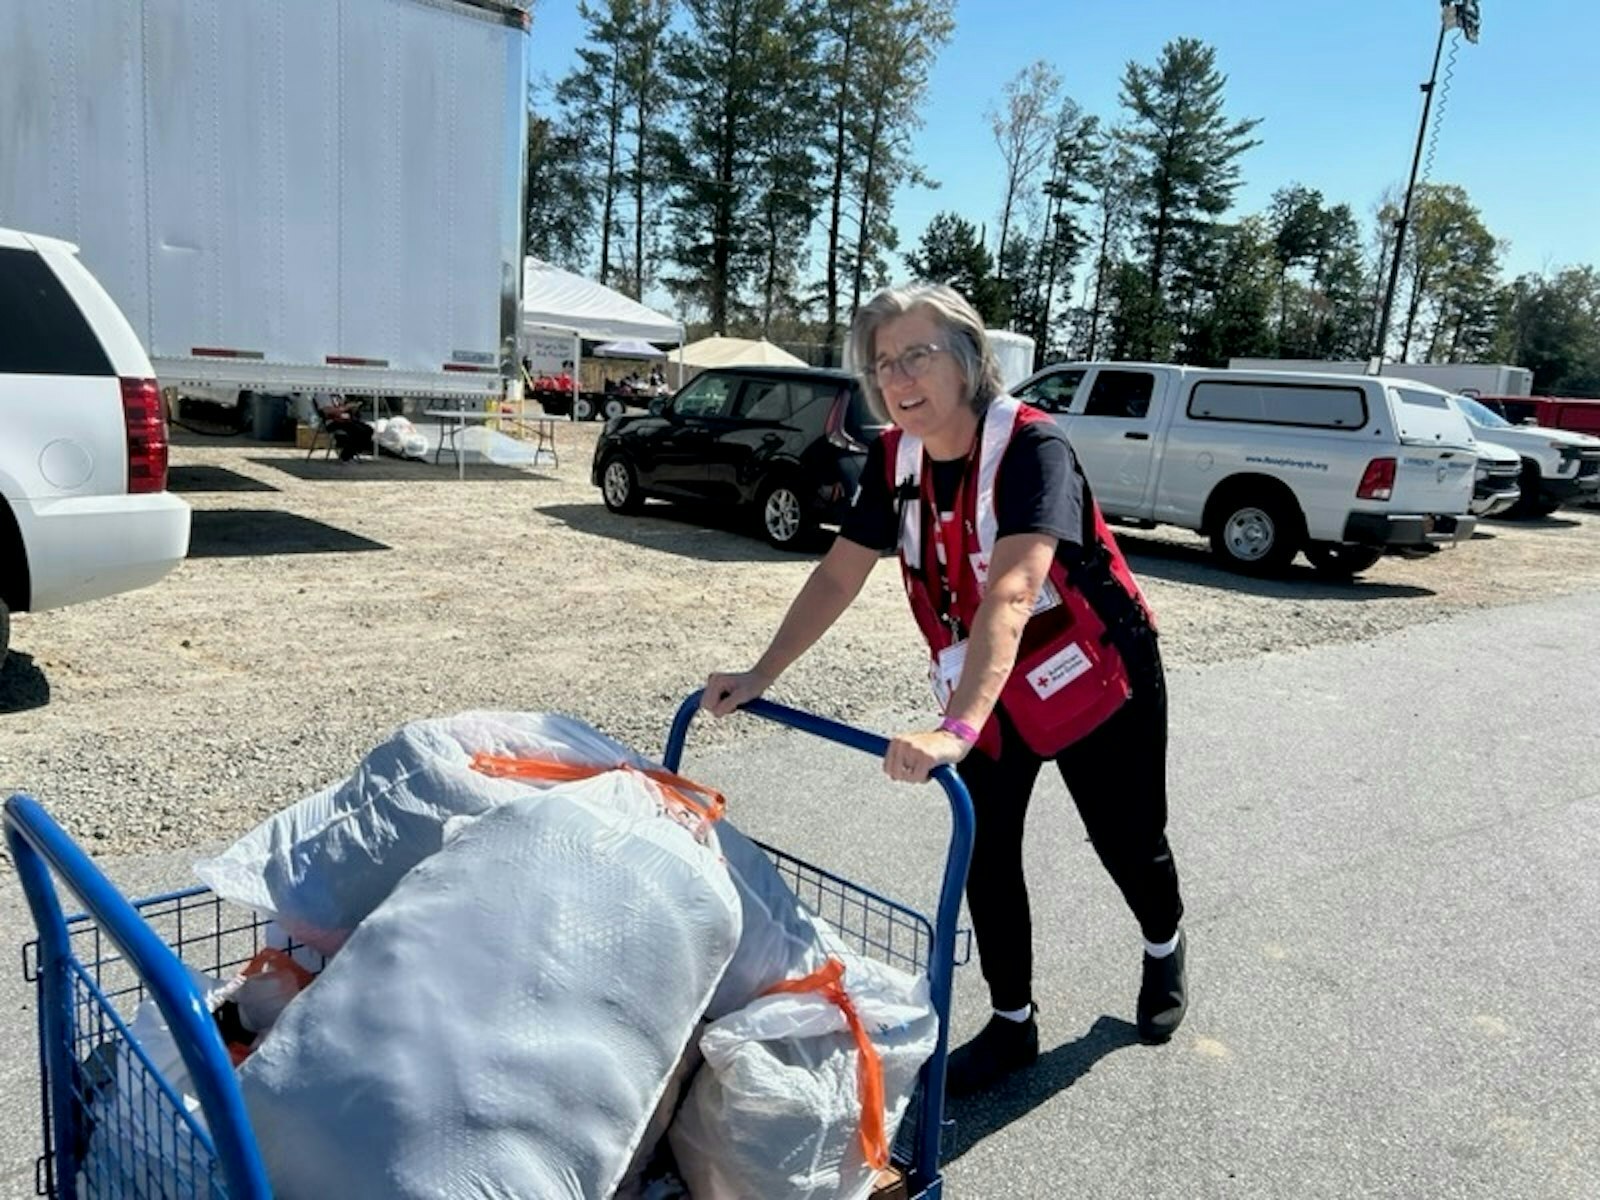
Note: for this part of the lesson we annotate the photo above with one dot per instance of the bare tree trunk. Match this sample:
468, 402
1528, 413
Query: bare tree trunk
830, 333
1099, 283
638, 202
613, 137
862, 236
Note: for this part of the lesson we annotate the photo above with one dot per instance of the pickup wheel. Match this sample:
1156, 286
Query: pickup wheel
1256, 531
1530, 503
1339, 560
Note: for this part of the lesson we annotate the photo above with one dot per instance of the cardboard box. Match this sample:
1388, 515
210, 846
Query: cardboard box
890, 1185
302, 437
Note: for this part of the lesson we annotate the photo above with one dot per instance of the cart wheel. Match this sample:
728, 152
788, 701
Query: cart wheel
583, 409
613, 407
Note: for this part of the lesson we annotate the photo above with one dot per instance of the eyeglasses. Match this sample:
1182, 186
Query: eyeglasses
912, 364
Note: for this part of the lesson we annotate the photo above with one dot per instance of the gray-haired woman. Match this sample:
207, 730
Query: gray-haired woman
1042, 647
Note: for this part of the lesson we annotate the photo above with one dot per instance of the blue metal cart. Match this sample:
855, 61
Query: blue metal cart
114, 1126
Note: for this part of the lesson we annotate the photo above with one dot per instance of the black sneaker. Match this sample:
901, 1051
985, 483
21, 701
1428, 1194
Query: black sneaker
1001, 1047
1163, 995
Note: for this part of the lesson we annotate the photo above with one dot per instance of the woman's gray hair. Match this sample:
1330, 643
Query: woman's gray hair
963, 338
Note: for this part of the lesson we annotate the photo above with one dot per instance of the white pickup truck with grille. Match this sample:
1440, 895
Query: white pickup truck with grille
1269, 464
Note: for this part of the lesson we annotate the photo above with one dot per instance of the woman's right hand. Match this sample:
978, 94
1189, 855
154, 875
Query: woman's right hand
724, 693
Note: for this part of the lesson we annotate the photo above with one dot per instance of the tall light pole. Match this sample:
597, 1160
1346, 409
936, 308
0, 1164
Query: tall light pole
1453, 14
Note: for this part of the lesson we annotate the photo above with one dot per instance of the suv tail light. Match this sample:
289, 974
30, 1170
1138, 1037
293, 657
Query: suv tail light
834, 428
1377, 481
147, 435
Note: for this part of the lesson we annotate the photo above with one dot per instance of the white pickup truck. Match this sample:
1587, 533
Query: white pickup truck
1558, 466
1268, 464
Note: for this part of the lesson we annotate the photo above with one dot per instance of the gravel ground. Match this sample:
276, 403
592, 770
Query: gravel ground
323, 604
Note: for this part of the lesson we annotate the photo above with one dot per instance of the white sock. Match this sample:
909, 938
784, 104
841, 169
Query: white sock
1161, 949
1019, 1015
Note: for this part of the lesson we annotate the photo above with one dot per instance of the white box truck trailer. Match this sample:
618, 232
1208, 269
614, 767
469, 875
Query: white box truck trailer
282, 195
1466, 379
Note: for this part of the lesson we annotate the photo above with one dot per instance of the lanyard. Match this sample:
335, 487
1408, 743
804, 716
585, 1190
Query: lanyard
951, 538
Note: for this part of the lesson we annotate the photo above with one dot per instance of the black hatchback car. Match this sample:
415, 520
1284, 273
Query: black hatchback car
788, 442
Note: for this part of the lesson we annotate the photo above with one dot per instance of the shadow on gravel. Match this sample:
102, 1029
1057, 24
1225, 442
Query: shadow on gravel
23, 685
252, 533
200, 478
1179, 563
396, 470
976, 1117
704, 533
1550, 522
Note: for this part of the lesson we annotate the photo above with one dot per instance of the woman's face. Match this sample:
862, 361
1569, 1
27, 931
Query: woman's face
921, 382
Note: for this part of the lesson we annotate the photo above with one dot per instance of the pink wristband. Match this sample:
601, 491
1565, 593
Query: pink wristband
961, 729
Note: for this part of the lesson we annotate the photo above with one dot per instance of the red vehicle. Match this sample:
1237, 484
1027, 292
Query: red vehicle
1552, 412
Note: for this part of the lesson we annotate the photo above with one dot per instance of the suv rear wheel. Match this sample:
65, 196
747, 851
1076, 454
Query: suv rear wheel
619, 485
784, 520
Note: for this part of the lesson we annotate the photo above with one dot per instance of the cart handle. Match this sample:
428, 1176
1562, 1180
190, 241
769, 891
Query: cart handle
941, 963
38, 846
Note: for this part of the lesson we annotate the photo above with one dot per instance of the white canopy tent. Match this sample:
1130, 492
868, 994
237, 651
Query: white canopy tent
556, 299
556, 302
628, 348
732, 351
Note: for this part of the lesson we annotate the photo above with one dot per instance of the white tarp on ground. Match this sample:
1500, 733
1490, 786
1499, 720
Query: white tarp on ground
732, 351
556, 299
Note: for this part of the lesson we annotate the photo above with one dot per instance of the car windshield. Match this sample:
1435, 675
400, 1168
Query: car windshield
1481, 415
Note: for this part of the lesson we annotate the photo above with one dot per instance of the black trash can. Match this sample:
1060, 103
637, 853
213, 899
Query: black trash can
269, 418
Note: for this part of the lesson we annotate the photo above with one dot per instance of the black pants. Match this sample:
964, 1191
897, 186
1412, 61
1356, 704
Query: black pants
1117, 776
351, 436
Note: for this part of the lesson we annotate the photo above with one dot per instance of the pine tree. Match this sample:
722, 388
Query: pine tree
1188, 152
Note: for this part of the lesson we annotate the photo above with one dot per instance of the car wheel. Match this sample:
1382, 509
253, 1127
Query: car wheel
784, 520
1339, 560
613, 407
5, 633
1256, 533
1530, 481
583, 409
619, 486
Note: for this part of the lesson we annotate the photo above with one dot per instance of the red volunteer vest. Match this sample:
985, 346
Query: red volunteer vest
1068, 677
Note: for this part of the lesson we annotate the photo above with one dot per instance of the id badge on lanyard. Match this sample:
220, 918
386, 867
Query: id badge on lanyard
950, 547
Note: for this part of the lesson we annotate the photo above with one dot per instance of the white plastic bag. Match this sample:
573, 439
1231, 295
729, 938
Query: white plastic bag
507, 1021
135, 1148
324, 863
780, 937
400, 437
777, 1110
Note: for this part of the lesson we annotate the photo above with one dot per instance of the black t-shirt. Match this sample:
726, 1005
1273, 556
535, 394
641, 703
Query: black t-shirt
1038, 489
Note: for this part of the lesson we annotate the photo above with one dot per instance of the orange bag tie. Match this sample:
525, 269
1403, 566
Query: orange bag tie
552, 770
829, 980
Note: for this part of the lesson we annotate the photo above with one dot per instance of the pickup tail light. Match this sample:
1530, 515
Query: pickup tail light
1377, 481
147, 435
838, 435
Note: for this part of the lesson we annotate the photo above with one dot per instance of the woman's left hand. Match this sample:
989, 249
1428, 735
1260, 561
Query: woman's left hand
912, 757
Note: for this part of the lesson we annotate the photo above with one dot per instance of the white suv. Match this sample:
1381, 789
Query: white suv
84, 510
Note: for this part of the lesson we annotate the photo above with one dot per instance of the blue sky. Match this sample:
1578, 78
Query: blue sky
1335, 84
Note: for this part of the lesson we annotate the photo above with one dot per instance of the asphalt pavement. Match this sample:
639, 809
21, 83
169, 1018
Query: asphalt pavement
1388, 858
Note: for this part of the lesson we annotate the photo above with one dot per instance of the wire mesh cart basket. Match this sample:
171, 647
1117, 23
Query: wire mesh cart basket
116, 1127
